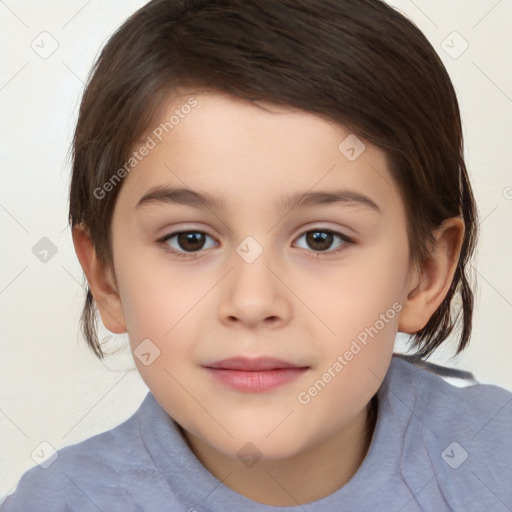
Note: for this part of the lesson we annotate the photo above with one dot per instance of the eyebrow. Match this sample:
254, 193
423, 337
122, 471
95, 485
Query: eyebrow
189, 197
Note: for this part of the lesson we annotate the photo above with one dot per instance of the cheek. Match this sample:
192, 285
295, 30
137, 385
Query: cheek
367, 285
361, 304
156, 296
160, 307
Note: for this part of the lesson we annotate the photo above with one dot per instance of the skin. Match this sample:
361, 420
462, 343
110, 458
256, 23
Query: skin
294, 302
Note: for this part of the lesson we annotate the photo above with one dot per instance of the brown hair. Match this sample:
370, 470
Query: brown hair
361, 64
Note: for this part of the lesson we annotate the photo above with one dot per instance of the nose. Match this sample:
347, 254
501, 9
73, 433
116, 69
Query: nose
253, 296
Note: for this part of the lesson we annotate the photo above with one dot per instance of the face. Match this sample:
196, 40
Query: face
306, 293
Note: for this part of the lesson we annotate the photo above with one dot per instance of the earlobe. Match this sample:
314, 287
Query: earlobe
429, 286
100, 282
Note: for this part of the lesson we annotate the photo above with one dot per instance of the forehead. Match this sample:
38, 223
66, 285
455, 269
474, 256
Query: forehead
235, 149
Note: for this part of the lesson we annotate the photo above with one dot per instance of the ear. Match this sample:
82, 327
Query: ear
428, 287
101, 282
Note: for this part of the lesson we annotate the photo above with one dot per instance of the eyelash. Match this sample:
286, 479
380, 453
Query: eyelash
164, 242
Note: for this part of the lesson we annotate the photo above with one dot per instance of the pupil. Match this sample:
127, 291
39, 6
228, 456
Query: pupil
191, 240
322, 238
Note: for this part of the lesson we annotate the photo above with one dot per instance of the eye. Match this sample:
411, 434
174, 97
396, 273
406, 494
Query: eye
183, 243
321, 240
188, 243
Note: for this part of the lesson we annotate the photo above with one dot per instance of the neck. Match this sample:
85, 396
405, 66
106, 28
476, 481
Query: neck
302, 478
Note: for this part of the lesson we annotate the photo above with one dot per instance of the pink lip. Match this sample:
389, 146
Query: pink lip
254, 375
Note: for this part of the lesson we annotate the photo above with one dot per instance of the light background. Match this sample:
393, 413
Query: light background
52, 388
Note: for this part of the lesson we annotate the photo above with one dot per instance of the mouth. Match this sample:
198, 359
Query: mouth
254, 375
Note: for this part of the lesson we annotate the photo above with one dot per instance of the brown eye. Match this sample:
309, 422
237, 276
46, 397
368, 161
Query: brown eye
191, 241
321, 240
187, 241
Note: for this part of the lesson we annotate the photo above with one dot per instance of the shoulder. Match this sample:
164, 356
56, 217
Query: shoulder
458, 435
83, 474
467, 405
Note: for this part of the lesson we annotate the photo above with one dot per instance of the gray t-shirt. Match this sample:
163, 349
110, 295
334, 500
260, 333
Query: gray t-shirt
435, 447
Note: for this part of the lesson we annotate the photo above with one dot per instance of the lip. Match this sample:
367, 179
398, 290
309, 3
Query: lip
254, 364
254, 375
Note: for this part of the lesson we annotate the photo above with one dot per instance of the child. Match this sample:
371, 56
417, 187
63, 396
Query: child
312, 151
